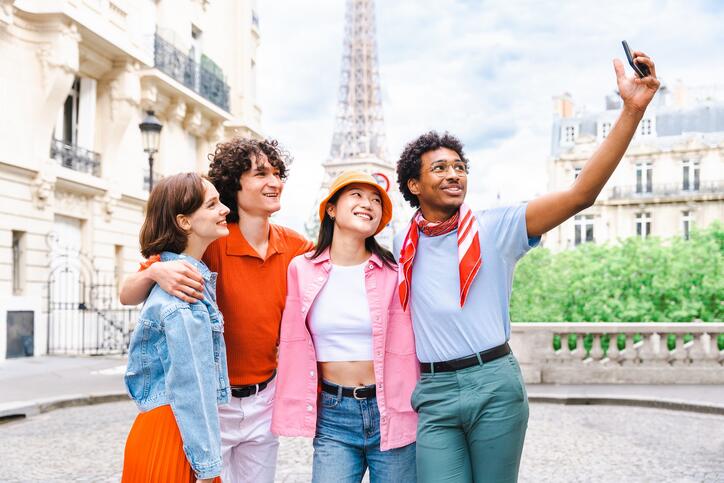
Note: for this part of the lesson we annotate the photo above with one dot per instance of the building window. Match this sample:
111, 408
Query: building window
74, 134
690, 175
18, 262
583, 226
569, 134
643, 224
69, 130
604, 129
644, 177
687, 222
646, 127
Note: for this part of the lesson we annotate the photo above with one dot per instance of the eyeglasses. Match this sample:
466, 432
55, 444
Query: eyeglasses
441, 169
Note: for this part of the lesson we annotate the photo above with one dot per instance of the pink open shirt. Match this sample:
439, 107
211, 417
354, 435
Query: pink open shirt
395, 363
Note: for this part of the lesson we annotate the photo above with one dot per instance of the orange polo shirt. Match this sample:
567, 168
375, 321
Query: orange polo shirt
251, 291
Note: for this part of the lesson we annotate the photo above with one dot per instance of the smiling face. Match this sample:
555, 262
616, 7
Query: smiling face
358, 210
207, 223
442, 184
261, 189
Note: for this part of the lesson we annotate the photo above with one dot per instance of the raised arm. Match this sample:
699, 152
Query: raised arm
177, 277
550, 210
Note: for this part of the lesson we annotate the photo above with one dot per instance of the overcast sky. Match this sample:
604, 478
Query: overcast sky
483, 70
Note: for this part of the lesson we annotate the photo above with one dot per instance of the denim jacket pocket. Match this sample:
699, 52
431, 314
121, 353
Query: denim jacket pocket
137, 378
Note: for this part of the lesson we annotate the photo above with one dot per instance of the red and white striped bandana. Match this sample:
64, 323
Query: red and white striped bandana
469, 253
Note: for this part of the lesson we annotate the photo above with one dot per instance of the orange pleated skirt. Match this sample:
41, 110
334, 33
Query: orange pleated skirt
154, 450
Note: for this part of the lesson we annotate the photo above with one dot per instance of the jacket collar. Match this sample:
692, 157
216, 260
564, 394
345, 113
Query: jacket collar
237, 245
198, 264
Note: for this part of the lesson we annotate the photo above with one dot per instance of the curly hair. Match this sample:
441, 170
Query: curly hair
408, 166
233, 158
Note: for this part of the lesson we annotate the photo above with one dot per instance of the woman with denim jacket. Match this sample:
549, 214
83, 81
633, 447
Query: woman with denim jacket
347, 363
177, 358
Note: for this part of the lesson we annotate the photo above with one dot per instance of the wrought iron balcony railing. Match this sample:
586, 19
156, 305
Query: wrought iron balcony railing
666, 190
206, 80
75, 157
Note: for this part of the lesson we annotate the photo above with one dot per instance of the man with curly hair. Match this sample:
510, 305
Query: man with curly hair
456, 272
251, 263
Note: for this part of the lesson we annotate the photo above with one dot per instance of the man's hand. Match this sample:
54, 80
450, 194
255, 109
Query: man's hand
549, 211
635, 92
179, 278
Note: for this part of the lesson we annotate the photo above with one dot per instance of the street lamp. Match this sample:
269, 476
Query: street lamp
151, 136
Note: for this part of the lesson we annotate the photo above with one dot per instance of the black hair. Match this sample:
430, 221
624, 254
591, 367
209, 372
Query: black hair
408, 166
326, 233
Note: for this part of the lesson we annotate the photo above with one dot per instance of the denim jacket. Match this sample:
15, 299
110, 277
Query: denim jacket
177, 356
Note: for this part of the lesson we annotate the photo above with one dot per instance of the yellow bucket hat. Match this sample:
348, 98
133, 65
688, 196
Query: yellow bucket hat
351, 177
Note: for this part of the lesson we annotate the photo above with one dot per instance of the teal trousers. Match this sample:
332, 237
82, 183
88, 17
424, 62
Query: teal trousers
472, 423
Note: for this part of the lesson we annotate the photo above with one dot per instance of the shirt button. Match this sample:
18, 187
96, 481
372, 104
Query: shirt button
379, 385
379, 353
320, 278
311, 373
371, 266
309, 407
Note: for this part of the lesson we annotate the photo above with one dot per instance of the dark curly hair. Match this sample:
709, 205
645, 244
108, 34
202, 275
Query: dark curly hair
233, 158
408, 166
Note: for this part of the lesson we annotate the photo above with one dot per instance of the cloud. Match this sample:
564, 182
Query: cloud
484, 70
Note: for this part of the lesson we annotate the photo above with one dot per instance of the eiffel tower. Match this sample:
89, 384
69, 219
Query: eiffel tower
358, 142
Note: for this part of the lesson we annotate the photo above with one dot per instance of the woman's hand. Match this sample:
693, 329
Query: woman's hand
635, 92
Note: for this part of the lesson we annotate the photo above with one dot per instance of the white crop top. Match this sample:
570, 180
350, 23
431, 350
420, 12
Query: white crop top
339, 318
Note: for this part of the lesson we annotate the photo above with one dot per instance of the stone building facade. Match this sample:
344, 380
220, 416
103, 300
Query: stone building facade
78, 76
669, 180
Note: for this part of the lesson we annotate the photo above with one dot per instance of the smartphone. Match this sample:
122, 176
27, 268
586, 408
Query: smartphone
641, 70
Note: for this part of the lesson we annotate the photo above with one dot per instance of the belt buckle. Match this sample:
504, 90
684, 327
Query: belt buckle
354, 393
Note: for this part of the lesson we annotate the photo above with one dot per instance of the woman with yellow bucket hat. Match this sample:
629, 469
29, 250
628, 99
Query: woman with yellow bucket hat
347, 363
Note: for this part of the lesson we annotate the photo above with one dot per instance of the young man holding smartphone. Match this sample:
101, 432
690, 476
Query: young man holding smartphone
456, 271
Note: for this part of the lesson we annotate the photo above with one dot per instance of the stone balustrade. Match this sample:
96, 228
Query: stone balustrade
609, 353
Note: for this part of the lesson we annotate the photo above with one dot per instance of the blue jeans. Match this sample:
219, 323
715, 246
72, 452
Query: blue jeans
348, 441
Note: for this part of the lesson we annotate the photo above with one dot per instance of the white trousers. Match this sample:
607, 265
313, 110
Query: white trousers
248, 448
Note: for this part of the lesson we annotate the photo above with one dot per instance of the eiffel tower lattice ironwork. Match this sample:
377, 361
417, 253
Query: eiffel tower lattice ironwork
358, 142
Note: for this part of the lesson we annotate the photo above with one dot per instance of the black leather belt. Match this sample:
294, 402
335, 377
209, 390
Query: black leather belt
359, 392
469, 361
251, 389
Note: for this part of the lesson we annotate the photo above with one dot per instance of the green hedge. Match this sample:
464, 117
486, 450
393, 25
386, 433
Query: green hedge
649, 280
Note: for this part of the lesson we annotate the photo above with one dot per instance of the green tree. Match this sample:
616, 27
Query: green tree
651, 280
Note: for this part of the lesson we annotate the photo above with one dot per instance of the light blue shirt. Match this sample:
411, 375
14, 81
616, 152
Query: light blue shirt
443, 330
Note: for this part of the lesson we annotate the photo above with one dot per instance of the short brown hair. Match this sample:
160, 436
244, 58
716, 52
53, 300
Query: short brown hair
180, 194
233, 158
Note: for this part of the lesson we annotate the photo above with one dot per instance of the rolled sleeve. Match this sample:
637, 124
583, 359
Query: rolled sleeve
191, 386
